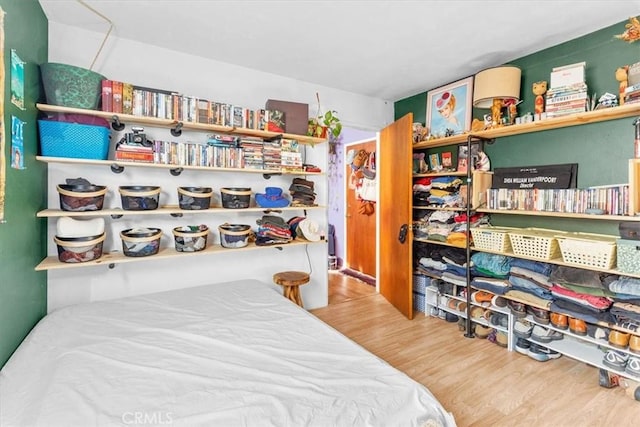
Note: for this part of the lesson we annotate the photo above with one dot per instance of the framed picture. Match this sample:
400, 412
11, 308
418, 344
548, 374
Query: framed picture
463, 156
434, 162
449, 108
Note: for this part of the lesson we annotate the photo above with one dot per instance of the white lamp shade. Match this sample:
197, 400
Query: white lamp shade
496, 83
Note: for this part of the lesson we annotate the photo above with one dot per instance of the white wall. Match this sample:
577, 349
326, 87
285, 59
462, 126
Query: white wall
150, 66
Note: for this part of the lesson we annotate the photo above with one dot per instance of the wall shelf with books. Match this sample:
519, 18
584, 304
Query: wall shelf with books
171, 124
595, 116
120, 164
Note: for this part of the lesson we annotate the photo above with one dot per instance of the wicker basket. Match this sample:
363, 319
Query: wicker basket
587, 249
535, 243
495, 239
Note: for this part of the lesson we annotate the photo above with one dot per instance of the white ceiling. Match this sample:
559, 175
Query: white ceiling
383, 49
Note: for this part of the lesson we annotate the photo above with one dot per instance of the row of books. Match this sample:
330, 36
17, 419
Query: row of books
126, 98
612, 200
226, 152
632, 94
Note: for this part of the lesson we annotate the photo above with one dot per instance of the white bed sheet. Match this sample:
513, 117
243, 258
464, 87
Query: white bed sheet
231, 354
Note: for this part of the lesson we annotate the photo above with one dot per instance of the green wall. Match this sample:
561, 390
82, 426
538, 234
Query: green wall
23, 291
601, 150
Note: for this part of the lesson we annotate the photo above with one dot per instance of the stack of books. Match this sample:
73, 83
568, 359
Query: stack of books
632, 91
271, 152
252, 151
568, 91
134, 153
290, 155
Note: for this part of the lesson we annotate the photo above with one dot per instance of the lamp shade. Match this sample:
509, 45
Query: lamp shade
496, 83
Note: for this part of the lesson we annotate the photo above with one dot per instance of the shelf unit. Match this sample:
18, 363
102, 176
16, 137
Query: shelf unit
114, 257
176, 124
582, 348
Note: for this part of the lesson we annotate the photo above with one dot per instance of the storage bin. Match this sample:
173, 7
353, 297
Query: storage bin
495, 239
628, 258
71, 86
587, 249
78, 198
235, 197
190, 238
234, 235
535, 243
140, 242
139, 197
78, 141
79, 249
194, 198
629, 230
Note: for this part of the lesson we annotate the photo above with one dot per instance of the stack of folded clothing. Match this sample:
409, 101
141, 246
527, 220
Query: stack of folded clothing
421, 188
302, 192
459, 233
441, 261
529, 281
444, 191
581, 294
491, 272
439, 225
272, 230
625, 292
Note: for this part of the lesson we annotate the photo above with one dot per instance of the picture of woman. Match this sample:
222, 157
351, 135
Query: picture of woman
449, 108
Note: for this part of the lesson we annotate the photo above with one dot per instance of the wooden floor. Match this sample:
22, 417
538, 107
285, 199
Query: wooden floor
480, 383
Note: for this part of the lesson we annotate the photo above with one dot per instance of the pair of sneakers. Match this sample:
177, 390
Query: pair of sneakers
535, 351
622, 361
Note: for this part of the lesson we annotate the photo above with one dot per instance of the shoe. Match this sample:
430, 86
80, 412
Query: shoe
616, 359
450, 317
499, 319
433, 311
518, 309
499, 301
577, 326
442, 314
522, 346
522, 328
598, 332
633, 366
462, 325
477, 312
545, 335
481, 331
560, 321
634, 344
452, 304
608, 379
542, 354
501, 339
619, 339
461, 306
539, 314
481, 297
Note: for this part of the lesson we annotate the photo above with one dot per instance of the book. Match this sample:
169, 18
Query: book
117, 96
107, 95
276, 121
134, 156
447, 161
127, 98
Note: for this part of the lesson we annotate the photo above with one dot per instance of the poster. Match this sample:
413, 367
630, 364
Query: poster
17, 80
17, 143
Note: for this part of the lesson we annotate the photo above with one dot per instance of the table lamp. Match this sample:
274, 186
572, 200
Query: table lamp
493, 86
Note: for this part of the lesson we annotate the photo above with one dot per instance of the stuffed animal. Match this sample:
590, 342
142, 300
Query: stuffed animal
622, 74
539, 89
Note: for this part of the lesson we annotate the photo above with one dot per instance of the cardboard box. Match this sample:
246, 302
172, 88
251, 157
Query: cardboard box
296, 115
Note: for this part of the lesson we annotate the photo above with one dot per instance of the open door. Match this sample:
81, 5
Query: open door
395, 263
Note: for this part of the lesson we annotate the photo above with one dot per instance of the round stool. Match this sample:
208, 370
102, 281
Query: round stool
290, 282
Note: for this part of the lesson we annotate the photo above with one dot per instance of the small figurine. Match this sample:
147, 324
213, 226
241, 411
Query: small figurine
621, 76
512, 110
632, 31
496, 112
539, 89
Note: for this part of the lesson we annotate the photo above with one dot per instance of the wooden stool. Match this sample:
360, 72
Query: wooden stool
291, 282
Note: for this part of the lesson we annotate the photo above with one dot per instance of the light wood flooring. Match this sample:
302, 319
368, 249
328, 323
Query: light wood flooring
480, 383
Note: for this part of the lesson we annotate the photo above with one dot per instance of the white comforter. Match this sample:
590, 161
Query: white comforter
233, 354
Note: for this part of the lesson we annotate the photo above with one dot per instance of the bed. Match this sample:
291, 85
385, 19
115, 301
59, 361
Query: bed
230, 354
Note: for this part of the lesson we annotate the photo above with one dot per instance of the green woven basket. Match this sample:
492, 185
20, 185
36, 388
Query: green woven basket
70, 86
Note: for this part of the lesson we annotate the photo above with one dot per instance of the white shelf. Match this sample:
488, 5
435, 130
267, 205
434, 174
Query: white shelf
117, 257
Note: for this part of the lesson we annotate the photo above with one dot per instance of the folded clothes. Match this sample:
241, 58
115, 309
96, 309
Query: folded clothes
528, 298
537, 266
599, 303
562, 274
530, 287
497, 264
625, 285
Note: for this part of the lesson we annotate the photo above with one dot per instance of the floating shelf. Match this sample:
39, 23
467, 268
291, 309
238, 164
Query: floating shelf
562, 215
165, 210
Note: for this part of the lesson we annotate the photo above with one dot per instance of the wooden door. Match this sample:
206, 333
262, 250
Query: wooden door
395, 265
360, 229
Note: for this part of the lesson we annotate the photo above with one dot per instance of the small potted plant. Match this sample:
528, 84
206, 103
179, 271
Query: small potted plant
324, 125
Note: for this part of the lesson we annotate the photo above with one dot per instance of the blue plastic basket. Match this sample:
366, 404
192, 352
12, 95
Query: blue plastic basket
62, 139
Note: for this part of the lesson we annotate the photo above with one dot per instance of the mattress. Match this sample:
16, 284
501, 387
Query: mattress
230, 354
